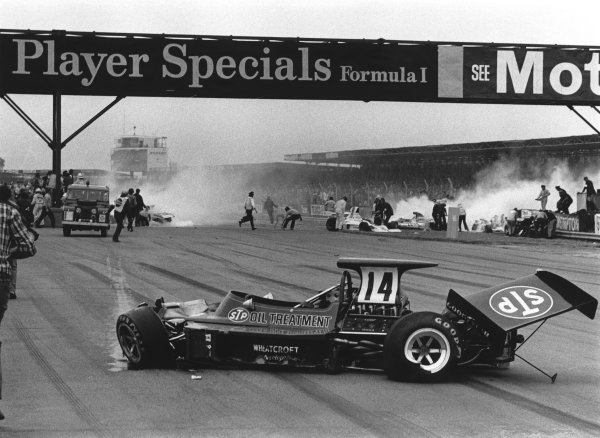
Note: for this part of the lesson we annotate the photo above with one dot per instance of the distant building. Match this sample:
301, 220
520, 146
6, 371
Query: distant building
139, 153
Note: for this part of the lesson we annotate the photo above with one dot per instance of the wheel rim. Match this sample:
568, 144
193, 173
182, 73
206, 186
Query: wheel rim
129, 343
429, 348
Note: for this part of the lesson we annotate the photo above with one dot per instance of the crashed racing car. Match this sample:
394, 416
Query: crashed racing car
152, 216
369, 325
353, 221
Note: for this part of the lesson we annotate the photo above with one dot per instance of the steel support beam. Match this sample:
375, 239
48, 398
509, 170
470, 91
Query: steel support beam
583, 118
92, 120
39, 131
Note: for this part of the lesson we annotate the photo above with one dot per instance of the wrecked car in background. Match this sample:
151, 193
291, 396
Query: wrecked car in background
353, 221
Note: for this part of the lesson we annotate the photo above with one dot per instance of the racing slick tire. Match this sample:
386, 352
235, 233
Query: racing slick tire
143, 338
421, 346
364, 226
331, 224
103, 232
66, 231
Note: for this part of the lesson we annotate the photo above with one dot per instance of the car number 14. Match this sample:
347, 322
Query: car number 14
379, 285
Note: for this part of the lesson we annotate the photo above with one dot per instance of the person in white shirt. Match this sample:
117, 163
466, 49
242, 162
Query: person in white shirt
38, 204
340, 208
46, 211
249, 207
511, 221
120, 208
543, 197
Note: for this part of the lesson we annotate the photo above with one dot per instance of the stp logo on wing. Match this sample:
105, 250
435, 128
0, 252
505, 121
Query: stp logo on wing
238, 315
521, 302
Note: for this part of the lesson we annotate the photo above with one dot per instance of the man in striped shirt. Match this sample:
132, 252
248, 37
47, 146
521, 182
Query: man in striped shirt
14, 238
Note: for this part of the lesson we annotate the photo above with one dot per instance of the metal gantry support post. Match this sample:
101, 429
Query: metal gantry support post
56, 138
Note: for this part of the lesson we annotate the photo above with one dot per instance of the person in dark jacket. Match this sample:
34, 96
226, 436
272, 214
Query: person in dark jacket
386, 211
139, 206
590, 192
269, 207
25, 209
551, 226
131, 210
565, 200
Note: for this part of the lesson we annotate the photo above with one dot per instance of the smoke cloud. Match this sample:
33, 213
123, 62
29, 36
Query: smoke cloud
214, 196
195, 196
508, 184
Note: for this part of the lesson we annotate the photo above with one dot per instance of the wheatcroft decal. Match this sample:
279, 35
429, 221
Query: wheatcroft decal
277, 349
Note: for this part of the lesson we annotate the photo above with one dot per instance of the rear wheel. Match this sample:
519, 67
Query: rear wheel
103, 232
421, 346
143, 338
330, 224
66, 231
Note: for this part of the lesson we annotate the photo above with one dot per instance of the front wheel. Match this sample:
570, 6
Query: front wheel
421, 346
103, 232
143, 338
364, 226
66, 231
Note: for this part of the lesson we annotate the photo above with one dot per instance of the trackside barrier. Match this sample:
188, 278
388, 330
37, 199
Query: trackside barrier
567, 222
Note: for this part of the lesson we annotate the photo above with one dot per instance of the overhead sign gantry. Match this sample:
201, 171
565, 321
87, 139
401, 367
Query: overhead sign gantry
123, 64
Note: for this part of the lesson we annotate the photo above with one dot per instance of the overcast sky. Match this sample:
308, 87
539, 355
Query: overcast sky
223, 131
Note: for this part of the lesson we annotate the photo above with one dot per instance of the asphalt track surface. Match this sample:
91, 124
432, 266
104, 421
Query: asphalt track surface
64, 374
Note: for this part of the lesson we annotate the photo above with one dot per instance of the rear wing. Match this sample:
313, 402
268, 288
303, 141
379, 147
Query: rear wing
380, 278
521, 302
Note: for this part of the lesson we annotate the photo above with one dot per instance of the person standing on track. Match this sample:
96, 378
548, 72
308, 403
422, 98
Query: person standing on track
340, 209
131, 210
13, 237
140, 206
46, 211
37, 203
120, 214
249, 207
462, 218
386, 211
269, 206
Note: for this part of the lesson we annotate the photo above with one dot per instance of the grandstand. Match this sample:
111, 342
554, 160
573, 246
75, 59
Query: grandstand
439, 170
577, 150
